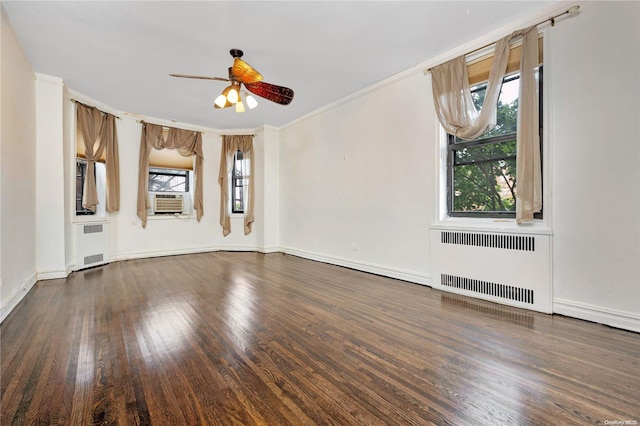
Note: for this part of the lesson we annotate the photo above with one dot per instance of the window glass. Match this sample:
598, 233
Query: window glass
168, 180
481, 174
239, 179
81, 171
100, 176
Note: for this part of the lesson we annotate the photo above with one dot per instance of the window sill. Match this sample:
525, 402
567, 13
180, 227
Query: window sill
89, 218
170, 216
493, 225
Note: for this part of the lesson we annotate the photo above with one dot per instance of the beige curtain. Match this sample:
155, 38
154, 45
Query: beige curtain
98, 130
452, 95
187, 143
459, 117
528, 165
230, 145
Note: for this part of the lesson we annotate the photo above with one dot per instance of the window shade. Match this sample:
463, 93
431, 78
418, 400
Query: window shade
169, 158
478, 69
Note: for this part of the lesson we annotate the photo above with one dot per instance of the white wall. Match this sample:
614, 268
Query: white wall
169, 235
69, 180
50, 197
356, 182
594, 65
17, 171
268, 194
357, 179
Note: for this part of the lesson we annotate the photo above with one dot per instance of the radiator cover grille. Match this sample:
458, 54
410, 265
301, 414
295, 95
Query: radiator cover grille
500, 241
92, 229
503, 291
88, 260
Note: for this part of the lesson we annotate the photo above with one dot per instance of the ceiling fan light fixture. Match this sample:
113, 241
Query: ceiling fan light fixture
233, 95
251, 101
223, 101
239, 106
220, 101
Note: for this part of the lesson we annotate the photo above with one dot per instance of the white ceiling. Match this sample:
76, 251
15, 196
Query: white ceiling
121, 53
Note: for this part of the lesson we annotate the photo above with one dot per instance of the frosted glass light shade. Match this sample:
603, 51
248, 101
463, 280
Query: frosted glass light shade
233, 96
221, 101
251, 101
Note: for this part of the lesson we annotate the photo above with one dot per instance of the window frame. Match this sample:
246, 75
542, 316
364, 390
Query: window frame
451, 146
170, 172
235, 185
81, 164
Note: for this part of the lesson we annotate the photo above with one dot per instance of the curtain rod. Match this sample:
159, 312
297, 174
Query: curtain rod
170, 127
571, 10
164, 127
75, 101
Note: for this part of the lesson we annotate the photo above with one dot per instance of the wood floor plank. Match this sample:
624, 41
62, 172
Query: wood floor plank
252, 339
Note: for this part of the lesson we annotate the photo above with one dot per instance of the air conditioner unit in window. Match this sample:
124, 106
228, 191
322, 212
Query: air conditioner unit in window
168, 203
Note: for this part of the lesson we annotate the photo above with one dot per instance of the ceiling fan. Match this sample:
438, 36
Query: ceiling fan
241, 73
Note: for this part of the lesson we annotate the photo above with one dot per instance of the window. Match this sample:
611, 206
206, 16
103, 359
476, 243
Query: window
169, 189
81, 171
99, 173
239, 180
170, 183
481, 174
98, 189
168, 180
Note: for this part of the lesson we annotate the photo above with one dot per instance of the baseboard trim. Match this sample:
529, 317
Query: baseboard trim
614, 318
17, 297
267, 250
401, 274
162, 253
52, 275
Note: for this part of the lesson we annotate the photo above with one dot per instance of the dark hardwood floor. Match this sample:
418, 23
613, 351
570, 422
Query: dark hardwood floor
253, 339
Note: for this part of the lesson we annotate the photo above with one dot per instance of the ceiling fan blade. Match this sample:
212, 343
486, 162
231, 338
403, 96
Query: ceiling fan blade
201, 77
244, 73
278, 94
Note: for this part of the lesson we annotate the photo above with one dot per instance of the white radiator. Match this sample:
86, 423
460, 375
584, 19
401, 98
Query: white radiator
504, 268
92, 244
